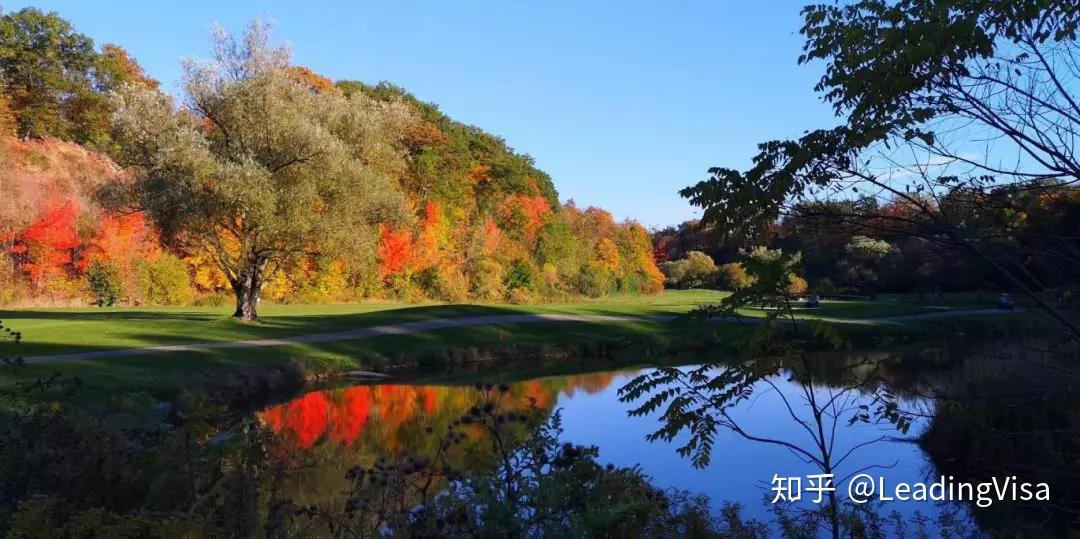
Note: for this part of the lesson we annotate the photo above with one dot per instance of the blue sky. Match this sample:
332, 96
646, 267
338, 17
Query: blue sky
623, 103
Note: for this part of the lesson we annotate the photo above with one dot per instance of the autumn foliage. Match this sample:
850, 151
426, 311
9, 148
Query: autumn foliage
482, 221
48, 245
365, 418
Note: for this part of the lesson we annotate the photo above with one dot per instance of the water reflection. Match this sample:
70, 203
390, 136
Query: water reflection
975, 429
393, 417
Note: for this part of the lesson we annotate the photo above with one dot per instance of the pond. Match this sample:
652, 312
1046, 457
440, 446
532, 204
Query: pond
780, 424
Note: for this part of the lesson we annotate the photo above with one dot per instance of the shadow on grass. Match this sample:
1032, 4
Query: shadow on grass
165, 373
105, 314
123, 329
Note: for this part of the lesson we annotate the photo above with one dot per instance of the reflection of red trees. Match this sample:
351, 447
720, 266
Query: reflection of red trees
303, 420
343, 415
431, 402
347, 419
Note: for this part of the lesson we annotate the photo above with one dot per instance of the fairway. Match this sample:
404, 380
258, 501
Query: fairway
65, 331
335, 337
56, 331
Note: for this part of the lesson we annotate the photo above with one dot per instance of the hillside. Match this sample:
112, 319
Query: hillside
473, 218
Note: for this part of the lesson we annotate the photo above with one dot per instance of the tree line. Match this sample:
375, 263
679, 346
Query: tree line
885, 250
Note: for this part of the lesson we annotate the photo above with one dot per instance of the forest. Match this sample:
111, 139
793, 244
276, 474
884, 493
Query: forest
409, 205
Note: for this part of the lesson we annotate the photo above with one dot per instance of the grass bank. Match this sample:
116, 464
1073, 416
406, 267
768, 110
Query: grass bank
63, 331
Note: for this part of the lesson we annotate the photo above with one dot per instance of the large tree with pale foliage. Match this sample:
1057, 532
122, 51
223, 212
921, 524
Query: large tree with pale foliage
255, 167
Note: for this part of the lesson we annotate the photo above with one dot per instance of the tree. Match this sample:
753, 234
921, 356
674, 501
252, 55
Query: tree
44, 65
116, 67
8, 124
733, 276
256, 169
47, 246
695, 271
951, 108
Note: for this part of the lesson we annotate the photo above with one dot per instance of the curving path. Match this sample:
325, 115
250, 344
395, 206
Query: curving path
406, 328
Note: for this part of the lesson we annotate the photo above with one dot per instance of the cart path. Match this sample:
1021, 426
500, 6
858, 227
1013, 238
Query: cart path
406, 328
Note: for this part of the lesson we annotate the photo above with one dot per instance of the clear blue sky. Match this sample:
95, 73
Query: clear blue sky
623, 103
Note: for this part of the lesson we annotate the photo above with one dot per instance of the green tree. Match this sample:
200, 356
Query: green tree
46, 67
256, 169
104, 283
557, 246
164, 281
695, 271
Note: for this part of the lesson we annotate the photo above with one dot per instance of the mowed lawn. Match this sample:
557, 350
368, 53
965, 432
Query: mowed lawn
56, 331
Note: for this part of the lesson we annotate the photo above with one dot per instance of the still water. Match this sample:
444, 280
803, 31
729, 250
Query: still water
785, 411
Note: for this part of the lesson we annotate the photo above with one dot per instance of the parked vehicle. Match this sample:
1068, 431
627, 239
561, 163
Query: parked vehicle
1006, 302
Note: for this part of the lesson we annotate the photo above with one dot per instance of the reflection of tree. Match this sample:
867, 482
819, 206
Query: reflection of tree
534, 486
1011, 411
390, 414
701, 401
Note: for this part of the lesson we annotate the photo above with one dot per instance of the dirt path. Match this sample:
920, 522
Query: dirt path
406, 328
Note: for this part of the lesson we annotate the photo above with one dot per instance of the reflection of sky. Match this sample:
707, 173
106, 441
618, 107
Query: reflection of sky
741, 470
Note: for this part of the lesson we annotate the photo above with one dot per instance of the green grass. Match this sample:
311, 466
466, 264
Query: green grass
54, 331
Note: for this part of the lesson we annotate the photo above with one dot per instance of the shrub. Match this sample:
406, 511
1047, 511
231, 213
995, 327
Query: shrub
796, 285
103, 282
733, 276
216, 299
11, 287
629, 284
444, 283
595, 280
674, 271
697, 270
163, 281
520, 276
519, 296
486, 280
405, 287
825, 287
652, 284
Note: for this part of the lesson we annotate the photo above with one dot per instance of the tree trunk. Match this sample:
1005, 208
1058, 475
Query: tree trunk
248, 287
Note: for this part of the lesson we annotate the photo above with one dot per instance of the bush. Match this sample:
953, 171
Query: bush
674, 271
444, 283
11, 287
405, 287
519, 296
825, 287
163, 281
796, 285
216, 299
103, 282
630, 284
697, 270
486, 280
595, 280
733, 276
520, 276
